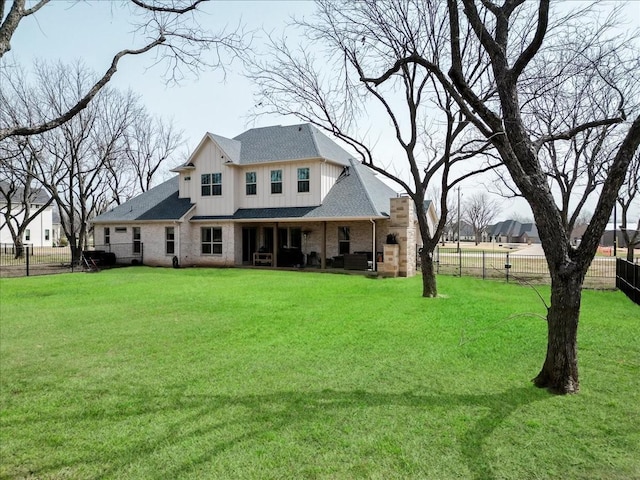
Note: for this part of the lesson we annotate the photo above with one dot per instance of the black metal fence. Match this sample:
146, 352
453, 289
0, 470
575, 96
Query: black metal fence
512, 267
32, 260
628, 279
48, 260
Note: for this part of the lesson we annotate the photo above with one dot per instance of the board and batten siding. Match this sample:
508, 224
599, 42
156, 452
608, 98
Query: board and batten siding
209, 159
290, 197
329, 173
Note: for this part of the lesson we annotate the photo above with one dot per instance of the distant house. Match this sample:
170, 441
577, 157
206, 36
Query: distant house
607, 237
606, 240
280, 196
39, 232
512, 231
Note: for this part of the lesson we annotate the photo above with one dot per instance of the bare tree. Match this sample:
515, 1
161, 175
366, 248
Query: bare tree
168, 26
510, 36
70, 160
627, 196
360, 39
19, 192
479, 211
150, 143
520, 151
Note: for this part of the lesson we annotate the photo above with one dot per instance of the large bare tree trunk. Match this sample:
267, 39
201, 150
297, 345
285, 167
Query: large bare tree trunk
559, 372
429, 287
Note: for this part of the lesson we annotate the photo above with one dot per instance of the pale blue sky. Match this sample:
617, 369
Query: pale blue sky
94, 31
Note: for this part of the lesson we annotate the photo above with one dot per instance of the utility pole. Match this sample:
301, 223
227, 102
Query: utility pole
615, 227
458, 218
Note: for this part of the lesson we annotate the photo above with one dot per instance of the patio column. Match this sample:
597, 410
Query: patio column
275, 246
323, 247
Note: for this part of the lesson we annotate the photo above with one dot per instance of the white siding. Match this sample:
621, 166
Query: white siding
289, 196
37, 229
329, 174
209, 159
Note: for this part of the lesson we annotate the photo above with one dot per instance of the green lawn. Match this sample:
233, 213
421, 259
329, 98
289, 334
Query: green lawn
248, 374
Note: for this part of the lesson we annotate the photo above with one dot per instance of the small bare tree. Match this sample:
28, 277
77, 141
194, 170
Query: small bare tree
150, 143
479, 211
629, 194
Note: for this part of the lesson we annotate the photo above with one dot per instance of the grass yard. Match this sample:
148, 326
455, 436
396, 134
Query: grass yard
144, 373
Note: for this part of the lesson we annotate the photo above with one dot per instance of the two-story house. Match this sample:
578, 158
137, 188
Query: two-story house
281, 196
39, 232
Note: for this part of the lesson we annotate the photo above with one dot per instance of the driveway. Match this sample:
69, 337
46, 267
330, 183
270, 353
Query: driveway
533, 249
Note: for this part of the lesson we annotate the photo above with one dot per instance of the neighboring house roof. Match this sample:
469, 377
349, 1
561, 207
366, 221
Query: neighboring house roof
357, 193
159, 203
38, 196
513, 228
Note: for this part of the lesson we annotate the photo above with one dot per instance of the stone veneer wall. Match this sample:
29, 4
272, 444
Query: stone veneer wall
403, 224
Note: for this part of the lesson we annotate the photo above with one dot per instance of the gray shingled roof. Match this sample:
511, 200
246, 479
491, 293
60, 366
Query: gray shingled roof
513, 228
229, 146
293, 142
159, 203
38, 196
356, 193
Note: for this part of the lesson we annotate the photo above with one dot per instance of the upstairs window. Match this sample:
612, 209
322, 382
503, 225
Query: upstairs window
27, 235
251, 183
211, 184
303, 180
276, 181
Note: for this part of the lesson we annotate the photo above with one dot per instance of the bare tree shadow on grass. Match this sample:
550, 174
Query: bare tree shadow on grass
251, 418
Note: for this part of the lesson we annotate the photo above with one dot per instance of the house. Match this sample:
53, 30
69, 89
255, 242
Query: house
283, 196
606, 240
39, 231
512, 231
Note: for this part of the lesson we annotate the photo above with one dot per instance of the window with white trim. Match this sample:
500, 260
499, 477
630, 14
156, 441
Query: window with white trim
211, 240
303, 180
276, 181
251, 181
211, 184
169, 240
137, 237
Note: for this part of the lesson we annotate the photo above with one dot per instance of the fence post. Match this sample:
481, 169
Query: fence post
460, 260
507, 266
27, 253
483, 266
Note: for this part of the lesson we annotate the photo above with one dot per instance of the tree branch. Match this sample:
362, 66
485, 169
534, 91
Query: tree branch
82, 104
179, 11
